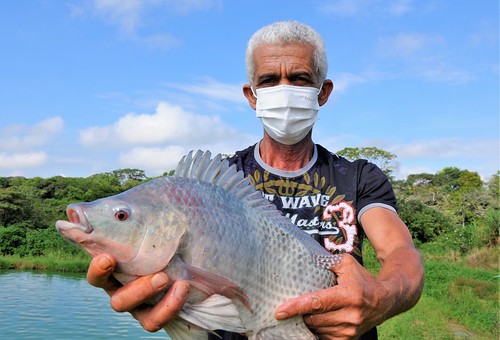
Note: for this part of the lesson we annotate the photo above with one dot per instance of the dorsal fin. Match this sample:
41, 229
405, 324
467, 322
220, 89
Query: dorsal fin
199, 165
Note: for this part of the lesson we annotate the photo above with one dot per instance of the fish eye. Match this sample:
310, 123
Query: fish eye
121, 214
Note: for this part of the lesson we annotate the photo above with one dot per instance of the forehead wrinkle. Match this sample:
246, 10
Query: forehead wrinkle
271, 60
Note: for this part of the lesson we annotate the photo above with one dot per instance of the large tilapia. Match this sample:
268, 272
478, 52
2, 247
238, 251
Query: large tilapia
208, 225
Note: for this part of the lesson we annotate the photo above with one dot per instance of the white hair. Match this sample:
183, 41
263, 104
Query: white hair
288, 32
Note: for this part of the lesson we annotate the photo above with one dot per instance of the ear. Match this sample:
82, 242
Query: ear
247, 91
326, 90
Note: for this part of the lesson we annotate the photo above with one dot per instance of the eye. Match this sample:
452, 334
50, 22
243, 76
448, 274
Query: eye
121, 214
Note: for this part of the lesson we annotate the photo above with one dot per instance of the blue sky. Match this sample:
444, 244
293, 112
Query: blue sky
93, 86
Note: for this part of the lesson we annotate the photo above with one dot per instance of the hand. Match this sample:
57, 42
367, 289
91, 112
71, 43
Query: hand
347, 310
131, 297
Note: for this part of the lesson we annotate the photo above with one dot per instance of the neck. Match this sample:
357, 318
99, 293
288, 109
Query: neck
286, 157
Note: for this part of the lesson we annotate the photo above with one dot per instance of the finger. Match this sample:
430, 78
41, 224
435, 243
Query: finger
139, 291
100, 272
305, 304
326, 319
155, 318
340, 322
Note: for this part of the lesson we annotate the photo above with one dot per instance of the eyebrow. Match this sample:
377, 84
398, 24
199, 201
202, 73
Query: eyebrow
275, 76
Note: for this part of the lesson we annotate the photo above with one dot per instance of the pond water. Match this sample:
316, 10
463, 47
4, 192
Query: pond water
53, 306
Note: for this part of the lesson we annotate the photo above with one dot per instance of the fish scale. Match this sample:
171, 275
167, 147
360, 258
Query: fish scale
208, 225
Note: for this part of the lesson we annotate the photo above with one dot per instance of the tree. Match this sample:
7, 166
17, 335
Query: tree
375, 155
424, 223
448, 178
493, 186
128, 175
469, 180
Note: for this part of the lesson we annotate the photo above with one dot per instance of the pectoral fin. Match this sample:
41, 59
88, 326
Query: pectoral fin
207, 282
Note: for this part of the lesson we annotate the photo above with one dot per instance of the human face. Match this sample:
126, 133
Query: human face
290, 64
284, 65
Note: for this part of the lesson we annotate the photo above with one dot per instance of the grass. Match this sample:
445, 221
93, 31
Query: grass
460, 297
52, 262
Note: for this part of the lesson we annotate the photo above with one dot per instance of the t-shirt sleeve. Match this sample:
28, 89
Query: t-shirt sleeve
374, 189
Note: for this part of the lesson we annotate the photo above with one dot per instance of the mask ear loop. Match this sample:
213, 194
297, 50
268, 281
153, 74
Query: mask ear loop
254, 94
321, 87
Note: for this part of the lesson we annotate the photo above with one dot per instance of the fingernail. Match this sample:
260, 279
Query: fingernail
281, 315
105, 263
181, 291
159, 280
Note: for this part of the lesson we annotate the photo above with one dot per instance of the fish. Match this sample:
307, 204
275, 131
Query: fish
208, 225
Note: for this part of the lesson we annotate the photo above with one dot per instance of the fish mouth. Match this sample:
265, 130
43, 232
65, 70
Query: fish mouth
77, 229
77, 217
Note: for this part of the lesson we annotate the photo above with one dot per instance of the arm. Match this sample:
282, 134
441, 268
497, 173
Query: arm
131, 297
360, 301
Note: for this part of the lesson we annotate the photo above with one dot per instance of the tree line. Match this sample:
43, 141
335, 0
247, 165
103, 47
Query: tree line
453, 206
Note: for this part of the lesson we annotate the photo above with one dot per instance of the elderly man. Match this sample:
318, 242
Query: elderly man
336, 201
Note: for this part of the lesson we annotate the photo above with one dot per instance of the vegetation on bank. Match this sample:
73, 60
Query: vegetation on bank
53, 262
453, 216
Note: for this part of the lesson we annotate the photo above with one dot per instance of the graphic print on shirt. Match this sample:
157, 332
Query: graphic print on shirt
311, 204
345, 216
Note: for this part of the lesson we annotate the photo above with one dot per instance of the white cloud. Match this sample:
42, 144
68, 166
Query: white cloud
170, 124
156, 160
16, 161
422, 56
343, 7
156, 142
125, 13
399, 7
161, 41
448, 148
128, 14
479, 155
353, 8
214, 89
21, 137
431, 155
408, 44
343, 81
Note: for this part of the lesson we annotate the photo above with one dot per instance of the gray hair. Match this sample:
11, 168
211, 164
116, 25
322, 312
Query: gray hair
288, 32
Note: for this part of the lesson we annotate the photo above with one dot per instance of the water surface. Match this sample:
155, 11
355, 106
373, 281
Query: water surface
53, 306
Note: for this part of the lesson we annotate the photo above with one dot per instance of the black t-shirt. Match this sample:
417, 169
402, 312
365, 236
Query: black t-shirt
326, 198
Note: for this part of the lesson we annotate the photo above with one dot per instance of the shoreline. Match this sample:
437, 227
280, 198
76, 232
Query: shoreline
52, 263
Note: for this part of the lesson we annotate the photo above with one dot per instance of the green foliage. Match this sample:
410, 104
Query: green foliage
464, 208
29, 208
375, 155
12, 239
447, 178
45, 241
127, 177
425, 223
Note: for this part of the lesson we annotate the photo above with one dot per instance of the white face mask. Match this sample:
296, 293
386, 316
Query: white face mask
287, 112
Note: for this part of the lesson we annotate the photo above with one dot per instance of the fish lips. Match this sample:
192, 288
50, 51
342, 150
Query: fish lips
77, 229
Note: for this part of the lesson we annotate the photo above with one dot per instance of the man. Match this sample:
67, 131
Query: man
336, 201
